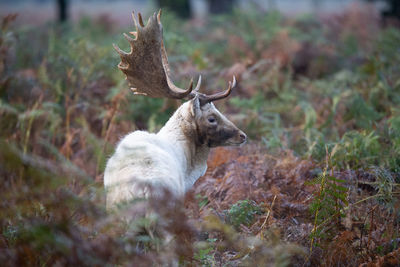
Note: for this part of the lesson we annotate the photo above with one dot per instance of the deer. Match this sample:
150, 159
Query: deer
175, 157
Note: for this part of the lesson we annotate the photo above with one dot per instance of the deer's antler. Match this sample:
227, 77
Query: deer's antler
217, 96
146, 65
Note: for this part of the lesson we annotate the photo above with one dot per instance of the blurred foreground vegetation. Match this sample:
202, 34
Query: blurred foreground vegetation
320, 90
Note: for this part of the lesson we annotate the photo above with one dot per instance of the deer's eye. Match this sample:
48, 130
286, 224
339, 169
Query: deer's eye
212, 120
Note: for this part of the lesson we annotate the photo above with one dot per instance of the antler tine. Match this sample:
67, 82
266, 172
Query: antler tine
214, 97
159, 16
121, 52
128, 38
196, 89
134, 21
198, 84
191, 84
140, 19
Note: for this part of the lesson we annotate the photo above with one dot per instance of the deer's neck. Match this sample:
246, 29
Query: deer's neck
181, 132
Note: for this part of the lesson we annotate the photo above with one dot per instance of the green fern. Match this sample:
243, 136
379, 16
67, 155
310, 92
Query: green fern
328, 205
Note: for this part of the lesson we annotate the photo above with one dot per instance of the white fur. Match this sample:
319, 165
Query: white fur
167, 159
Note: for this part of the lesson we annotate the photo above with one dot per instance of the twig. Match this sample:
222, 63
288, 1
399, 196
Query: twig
268, 213
371, 226
374, 183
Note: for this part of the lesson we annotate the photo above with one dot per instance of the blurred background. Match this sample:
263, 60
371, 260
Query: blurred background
318, 94
40, 11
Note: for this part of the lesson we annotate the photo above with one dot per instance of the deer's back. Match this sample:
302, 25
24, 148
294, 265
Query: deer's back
141, 158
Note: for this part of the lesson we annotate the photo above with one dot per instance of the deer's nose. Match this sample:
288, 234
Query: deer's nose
242, 136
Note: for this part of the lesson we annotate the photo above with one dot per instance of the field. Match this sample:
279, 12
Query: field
318, 183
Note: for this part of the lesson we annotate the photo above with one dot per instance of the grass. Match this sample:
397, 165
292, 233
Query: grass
310, 88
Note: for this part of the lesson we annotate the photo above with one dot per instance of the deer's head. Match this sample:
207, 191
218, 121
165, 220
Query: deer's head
213, 128
147, 71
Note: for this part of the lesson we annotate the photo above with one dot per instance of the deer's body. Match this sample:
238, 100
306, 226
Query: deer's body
176, 156
169, 159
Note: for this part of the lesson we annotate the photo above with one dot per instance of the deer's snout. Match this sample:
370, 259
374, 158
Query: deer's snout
242, 137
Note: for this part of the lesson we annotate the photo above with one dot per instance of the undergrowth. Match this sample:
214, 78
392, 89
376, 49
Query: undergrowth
319, 94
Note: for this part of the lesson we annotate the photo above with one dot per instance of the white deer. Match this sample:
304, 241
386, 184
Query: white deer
176, 156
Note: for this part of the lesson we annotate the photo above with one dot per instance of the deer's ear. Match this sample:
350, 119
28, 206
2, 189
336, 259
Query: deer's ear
195, 107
